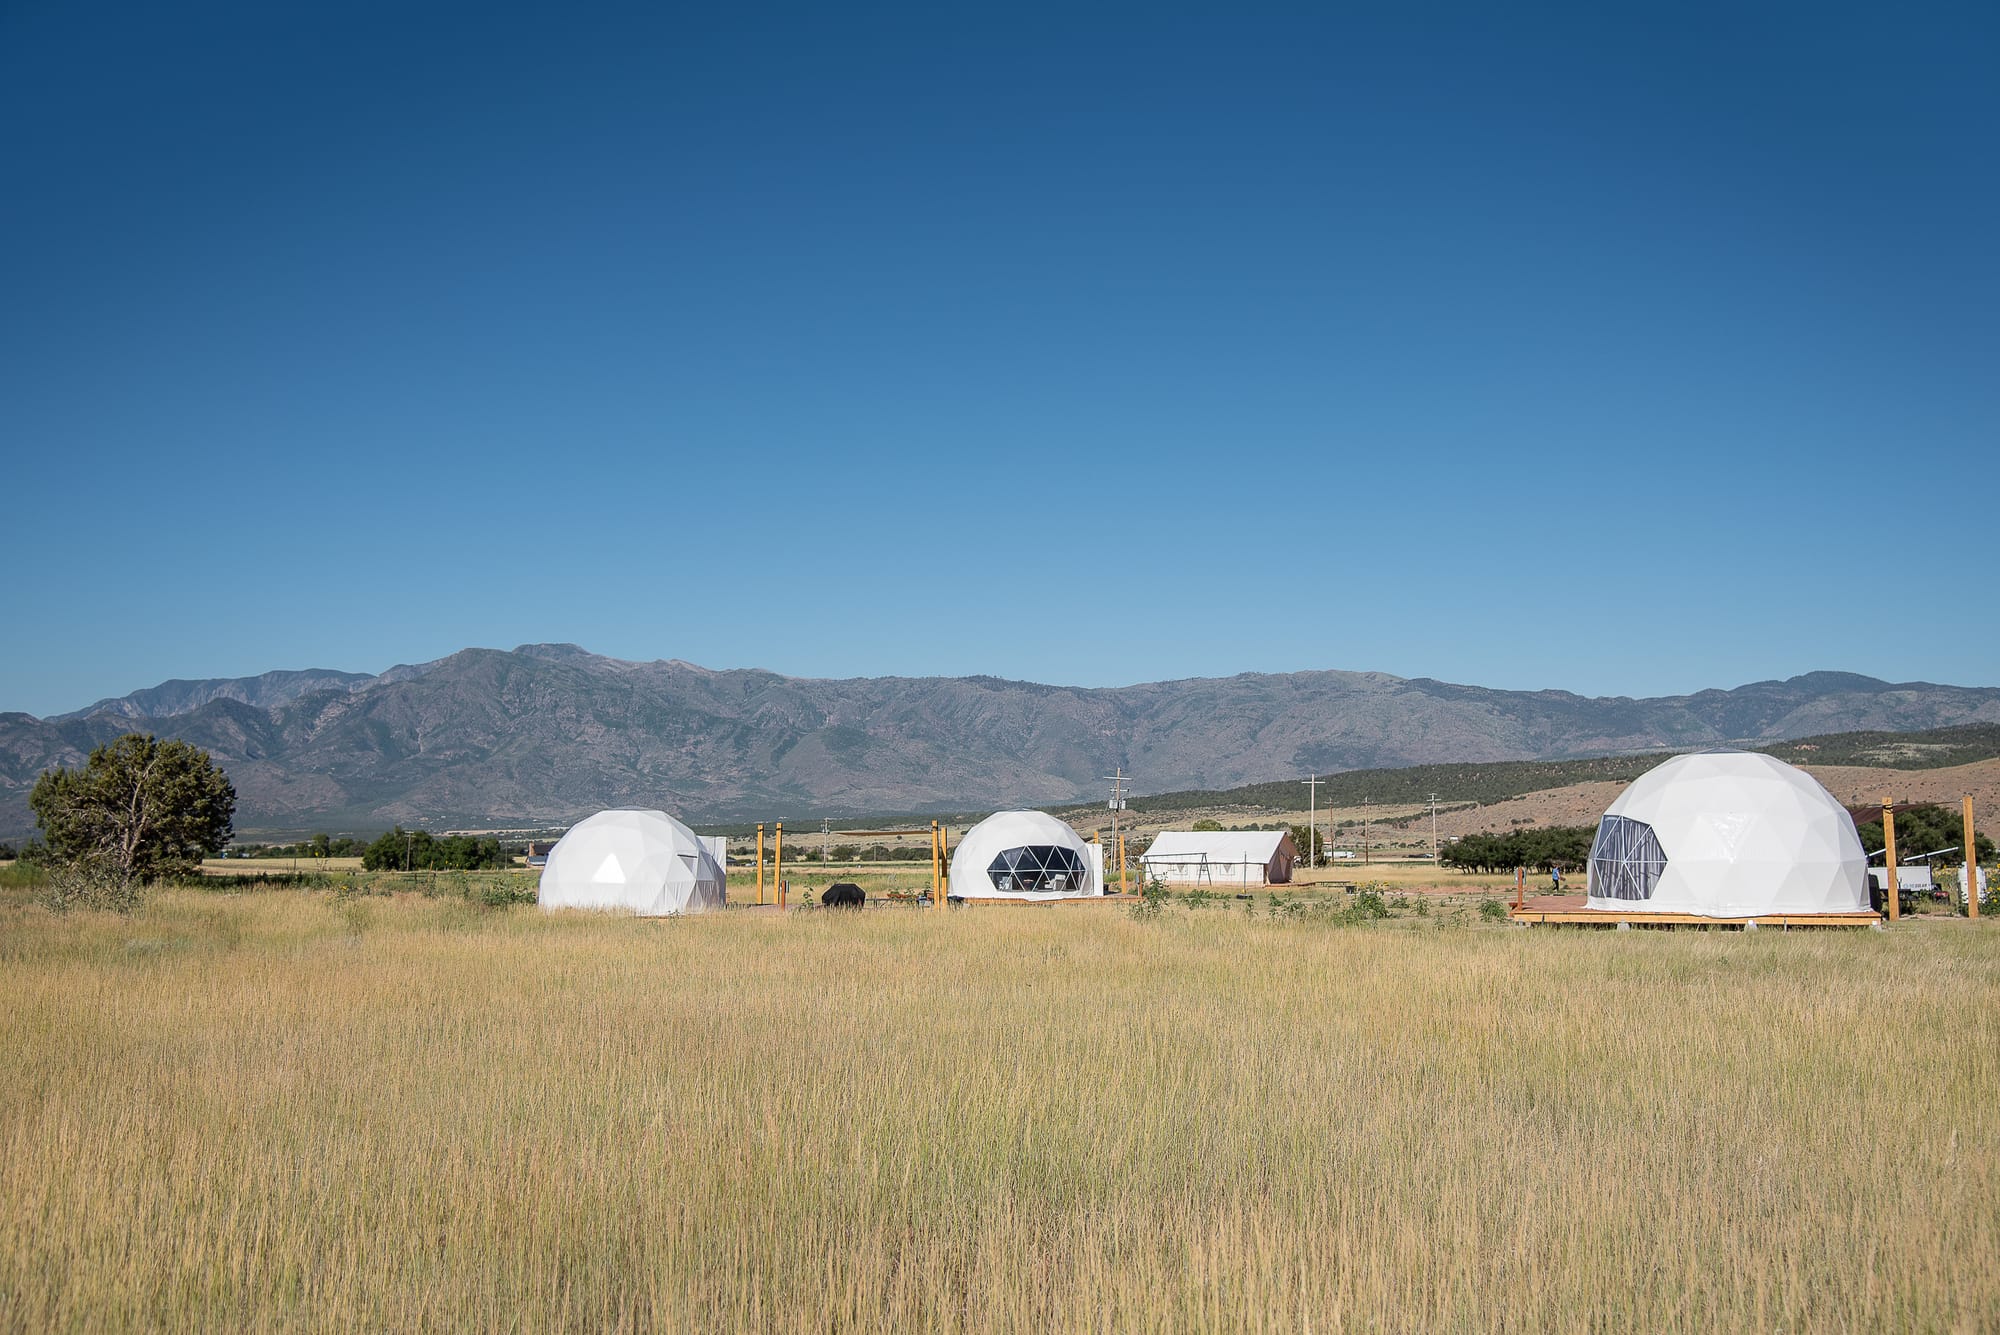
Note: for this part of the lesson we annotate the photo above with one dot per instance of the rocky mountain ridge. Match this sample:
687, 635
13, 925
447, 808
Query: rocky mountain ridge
546, 733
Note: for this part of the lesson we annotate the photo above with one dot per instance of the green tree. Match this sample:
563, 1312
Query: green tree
1311, 846
139, 809
420, 850
1925, 828
1536, 847
1207, 826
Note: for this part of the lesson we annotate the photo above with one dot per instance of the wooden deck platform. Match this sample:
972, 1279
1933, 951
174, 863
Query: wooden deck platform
1011, 901
1531, 916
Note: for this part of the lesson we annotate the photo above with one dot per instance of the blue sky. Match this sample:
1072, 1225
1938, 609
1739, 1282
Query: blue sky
1582, 348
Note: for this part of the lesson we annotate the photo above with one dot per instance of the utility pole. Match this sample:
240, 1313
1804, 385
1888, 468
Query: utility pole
1364, 831
825, 838
1118, 782
1312, 821
1434, 827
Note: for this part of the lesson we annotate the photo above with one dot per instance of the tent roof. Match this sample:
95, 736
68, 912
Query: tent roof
1220, 845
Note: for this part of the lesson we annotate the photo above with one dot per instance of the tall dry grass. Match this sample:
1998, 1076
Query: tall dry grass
292, 1110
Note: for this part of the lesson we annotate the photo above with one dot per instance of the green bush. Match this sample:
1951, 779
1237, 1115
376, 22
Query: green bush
506, 896
1153, 897
1368, 906
87, 886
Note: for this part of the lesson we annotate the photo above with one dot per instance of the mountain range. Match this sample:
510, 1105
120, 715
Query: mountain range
544, 734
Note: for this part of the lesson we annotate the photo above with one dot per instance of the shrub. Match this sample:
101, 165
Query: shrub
506, 896
1492, 910
1369, 906
1153, 897
91, 886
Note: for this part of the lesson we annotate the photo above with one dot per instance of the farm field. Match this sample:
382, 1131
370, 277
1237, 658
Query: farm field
320, 1111
277, 866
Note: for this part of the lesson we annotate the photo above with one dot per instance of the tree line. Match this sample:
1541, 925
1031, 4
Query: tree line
319, 846
1535, 847
420, 850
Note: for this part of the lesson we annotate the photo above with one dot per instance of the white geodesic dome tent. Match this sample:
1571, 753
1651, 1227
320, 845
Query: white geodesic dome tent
1727, 834
643, 862
1025, 855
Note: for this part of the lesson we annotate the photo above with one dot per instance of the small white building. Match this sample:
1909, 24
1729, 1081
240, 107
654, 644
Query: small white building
1222, 857
1912, 878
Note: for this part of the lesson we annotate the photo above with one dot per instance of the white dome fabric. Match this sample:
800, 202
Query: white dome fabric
644, 862
1727, 834
1025, 855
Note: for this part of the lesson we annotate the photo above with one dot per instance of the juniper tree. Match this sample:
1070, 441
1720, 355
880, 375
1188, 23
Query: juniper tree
140, 808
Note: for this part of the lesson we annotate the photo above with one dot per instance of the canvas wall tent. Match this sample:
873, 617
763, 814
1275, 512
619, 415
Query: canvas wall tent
1025, 855
1227, 857
1727, 834
643, 862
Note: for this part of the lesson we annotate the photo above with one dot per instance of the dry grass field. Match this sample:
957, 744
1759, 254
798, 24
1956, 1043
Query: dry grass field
307, 1111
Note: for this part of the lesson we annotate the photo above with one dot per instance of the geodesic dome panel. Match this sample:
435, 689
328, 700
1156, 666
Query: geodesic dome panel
1737, 833
1037, 868
1025, 854
643, 862
1625, 859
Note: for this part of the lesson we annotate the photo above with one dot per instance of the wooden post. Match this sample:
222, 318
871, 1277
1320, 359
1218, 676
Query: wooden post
1889, 857
1520, 886
1971, 864
937, 884
760, 862
944, 861
778, 865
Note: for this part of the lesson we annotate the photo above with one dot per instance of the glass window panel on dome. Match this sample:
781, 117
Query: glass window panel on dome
1036, 869
1625, 860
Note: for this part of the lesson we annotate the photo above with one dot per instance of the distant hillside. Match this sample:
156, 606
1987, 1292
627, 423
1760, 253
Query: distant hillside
1491, 782
1933, 748
547, 733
